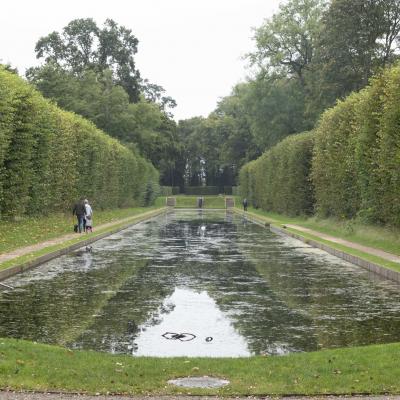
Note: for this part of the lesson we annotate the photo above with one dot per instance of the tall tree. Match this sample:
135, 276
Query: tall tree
359, 36
286, 42
82, 45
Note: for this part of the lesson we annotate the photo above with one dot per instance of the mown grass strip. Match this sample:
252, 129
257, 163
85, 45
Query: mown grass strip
29, 231
364, 370
183, 201
349, 250
281, 220
136, 217
379, 237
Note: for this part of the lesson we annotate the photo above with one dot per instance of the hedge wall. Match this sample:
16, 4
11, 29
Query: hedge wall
349, 167
169, 190
356, 166
279, 180
202, 190
49, 158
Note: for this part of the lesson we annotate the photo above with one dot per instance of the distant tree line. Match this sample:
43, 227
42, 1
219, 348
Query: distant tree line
308, 55
50, 157
347, 167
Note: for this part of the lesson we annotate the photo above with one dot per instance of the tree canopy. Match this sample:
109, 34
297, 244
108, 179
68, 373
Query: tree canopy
91, 71
309, 55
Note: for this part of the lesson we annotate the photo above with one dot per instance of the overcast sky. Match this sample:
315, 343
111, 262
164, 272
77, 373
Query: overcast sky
193, 48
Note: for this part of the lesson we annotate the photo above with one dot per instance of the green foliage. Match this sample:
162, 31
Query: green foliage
82, 45
152, 191
286, 42
202, 190
49, 157
142, 124
388, 159
358, 37
279, 180
275, 108
355, 161
169, 190
334, 171
356, 156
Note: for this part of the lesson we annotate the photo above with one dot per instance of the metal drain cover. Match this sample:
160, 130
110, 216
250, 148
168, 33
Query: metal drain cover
199, 382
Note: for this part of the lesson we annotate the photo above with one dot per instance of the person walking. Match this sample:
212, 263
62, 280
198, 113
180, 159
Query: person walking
245, 204
79, 211
88, 217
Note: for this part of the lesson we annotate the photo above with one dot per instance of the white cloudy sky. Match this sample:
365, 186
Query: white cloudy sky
193, 48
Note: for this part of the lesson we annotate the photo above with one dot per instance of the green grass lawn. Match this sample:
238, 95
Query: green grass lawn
387, 239
183, 201
362, 370
28, 231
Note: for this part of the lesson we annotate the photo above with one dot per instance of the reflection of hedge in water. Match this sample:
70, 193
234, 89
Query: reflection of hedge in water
137, 301
65, 304
331, 314
49, 157
355, 164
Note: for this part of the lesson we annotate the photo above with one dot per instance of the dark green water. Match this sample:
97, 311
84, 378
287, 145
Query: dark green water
207, 274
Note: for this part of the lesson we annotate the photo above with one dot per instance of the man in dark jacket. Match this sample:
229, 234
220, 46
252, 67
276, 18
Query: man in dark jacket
79, 211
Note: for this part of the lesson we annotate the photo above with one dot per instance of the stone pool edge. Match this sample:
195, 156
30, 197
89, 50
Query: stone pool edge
25, 266
360, 262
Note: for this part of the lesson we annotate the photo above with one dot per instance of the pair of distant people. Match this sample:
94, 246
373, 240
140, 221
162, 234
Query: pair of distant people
84, 214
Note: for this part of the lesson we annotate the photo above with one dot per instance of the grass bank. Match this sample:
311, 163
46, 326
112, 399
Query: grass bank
385, 239
32, 230
362, 370
183, 201
117, 218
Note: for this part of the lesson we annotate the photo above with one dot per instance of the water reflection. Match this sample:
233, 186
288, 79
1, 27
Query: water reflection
194, 314
209, 274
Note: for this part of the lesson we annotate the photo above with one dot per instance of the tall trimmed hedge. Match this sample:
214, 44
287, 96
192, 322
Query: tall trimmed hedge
354, 171
356, 167
334, 168
50, 157
279, 180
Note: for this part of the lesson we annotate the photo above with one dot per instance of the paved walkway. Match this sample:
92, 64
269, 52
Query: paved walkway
21, 251
370, 250
56, 396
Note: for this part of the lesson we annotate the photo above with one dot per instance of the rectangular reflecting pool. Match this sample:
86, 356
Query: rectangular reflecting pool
200, 283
